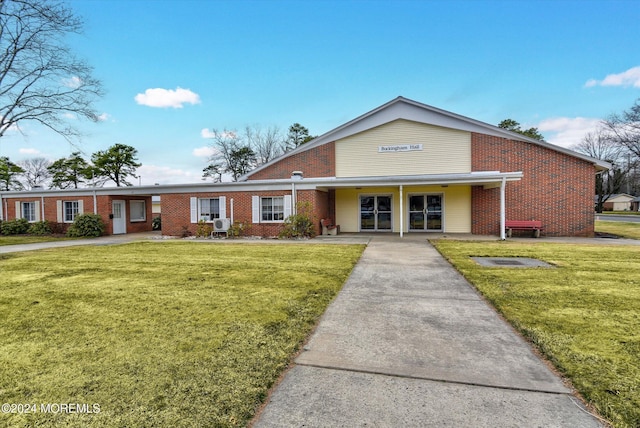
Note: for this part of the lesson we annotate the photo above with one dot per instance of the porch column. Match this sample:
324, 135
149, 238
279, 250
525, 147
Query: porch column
502, 208
401, 213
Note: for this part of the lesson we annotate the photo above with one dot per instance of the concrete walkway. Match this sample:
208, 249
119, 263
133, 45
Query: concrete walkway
408, 342
103, 240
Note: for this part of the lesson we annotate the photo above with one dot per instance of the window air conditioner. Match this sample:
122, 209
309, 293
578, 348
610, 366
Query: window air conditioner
221, 225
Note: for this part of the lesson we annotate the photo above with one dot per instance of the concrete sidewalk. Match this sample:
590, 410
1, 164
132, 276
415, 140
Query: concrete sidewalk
408, 342
102, 240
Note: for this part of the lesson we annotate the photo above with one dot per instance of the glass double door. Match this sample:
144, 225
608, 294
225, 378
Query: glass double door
425, 213
375, 213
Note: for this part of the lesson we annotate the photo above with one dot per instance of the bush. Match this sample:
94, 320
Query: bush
86, 225
156, 223
40, 228
58, 228
300, 225
237, 229
204, 230
15, 227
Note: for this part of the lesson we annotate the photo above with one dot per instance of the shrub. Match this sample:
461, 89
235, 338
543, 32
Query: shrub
40, 228
185, 232
237, 229
15, 227
58, 228
156, 223
86, 225
300, 225
204, 230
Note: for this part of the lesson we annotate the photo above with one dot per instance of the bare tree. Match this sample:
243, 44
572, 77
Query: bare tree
35, 172
40, 78
625, 128
603, 144
267, 144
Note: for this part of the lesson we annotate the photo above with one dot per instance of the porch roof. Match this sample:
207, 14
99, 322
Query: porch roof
480, 178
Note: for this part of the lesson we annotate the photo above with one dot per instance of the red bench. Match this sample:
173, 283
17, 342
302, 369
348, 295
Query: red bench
534, 225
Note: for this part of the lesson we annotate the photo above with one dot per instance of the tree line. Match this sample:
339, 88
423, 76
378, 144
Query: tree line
117, 164
617, 141
237, 153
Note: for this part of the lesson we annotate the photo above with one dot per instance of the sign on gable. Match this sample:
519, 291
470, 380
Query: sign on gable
400, 148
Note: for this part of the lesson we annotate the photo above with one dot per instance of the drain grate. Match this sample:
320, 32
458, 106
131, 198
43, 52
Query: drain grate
507, 262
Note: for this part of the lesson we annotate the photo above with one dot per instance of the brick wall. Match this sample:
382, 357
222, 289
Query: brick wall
176, 211
556, 188
103, 204
317, 162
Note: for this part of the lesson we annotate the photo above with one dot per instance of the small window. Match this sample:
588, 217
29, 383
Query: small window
138, 210
71, 209
29, 211
272, 208
209, 209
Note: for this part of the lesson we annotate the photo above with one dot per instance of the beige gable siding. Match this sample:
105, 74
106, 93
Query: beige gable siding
443, 151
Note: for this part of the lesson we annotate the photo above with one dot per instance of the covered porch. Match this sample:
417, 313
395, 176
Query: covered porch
439, 203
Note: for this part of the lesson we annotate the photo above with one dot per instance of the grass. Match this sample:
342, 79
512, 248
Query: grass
28, 239
619, 228
584, 315
176, 334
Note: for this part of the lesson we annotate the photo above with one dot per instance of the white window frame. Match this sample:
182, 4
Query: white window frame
194, 205
74, 213
132, 210
209, 217
33, 211
257, 212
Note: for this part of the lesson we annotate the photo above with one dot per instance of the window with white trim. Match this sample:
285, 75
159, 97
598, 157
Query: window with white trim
70, 210
29, 211
272, 208
208, 209
137, 211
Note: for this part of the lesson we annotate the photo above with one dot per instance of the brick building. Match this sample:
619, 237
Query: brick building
403, 167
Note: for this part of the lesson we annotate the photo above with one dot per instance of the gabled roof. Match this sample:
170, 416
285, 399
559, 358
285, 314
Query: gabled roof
404, 108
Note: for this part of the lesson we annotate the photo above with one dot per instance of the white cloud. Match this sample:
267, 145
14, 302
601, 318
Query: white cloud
567, 131
206, 133
151, 174
73, 82
29, 151
104, 117
204, 152
159, 97
631, 77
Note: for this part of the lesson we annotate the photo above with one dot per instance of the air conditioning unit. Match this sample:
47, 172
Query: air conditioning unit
221, 224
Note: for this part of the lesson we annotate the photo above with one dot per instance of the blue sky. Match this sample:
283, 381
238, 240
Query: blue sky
173, 69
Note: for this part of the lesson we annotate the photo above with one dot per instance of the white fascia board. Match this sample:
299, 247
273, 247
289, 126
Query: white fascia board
473, 178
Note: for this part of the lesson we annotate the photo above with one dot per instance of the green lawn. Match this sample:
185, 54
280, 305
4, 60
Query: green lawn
165, 334
620, 228
584, 315
28, 239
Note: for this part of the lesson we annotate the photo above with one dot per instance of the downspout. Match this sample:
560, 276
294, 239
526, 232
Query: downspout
95, 202
293, 198
231, 213
401, 214
1, 208
42, 208
295, 176
502, 208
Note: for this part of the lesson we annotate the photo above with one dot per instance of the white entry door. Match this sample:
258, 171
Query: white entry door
119, 217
